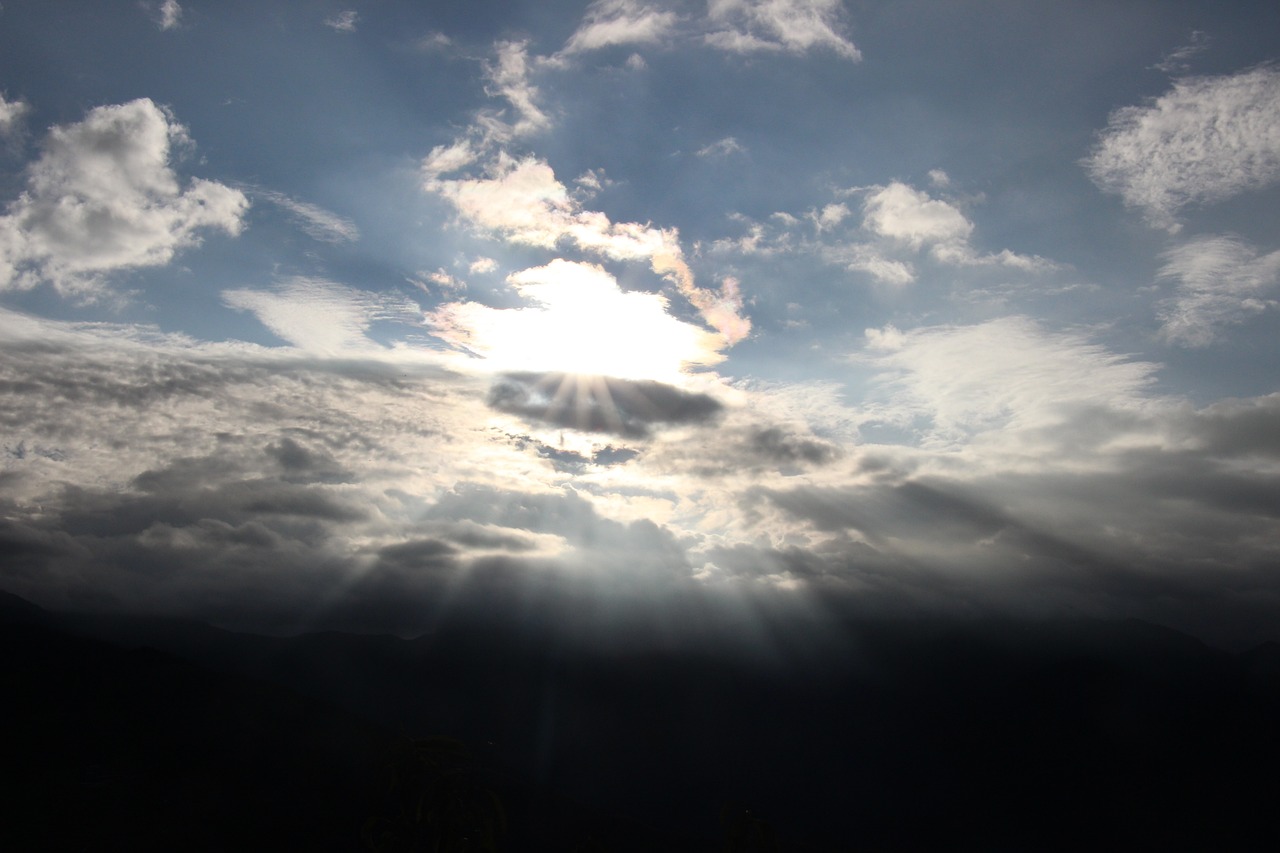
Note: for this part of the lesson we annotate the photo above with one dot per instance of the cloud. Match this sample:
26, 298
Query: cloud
722, 148
630, 408
321, 316
792, 26
899, 212
102, 197
616, 22
1176, 60
509, 78
268, 487
1007, 379
903, 220
315, 221
522, 201
343, 22
11, 116
1206, 140
169, 15
578, 320
1221, 282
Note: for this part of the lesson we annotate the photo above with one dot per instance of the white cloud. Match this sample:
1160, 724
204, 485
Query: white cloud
793, 26
899, 212
579, 321
322, 317
522, 201
318, 223
1207, 139
1221, 281
343, 22
170, 15
722, 148
509, 78
483, 265
939, 178
103, 197
615, 22
11, 116
1000, 379
869, 259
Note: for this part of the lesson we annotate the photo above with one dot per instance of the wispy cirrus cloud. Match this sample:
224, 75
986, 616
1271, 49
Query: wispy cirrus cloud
1221, 281
320, 316
318, 223
617, 22
791, 26
1205, 140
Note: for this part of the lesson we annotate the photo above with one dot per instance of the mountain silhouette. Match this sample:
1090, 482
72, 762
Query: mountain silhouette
992, 735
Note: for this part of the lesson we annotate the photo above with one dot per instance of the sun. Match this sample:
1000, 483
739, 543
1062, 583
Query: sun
578, 322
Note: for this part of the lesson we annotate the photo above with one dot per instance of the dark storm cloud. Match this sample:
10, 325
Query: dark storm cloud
600, 404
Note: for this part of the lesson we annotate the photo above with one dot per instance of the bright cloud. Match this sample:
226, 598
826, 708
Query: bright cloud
579, 321
615, 22
902, 213
523, 201
793, 26
1207, 139
103, 197
1221, 282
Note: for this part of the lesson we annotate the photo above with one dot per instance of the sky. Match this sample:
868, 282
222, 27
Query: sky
654, 321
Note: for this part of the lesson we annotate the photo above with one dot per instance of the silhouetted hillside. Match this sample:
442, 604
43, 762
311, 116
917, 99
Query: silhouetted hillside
959, 735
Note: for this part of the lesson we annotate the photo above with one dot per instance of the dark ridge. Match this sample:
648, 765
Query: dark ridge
991, 735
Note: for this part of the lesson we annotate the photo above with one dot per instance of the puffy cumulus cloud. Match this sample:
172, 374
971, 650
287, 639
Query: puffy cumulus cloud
616, 22
11, 116
902, 213
522, 201
1207, 139
578, 321
103, 197
793, 26
315, 221
319, 316
1220, 282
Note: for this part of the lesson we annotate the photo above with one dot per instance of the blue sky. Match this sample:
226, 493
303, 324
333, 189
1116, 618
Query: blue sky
358, 315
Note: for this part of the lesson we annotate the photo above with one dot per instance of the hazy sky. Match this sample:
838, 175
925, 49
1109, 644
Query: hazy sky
675, 320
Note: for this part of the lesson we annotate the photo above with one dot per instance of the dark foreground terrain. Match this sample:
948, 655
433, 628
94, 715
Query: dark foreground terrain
145, 734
